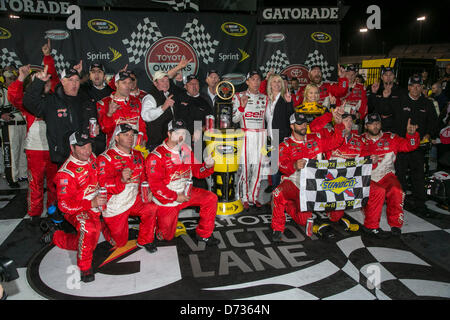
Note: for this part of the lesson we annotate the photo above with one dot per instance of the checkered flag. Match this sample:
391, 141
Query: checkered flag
9, 58
202, 42
180, 5
60, 63
278, 61
342, 184
317, 59
142, 38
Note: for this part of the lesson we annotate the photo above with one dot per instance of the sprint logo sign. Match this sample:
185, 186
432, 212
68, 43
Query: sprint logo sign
111, 55
237, 56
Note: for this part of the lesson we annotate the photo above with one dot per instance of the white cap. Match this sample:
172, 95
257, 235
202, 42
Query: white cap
159, 75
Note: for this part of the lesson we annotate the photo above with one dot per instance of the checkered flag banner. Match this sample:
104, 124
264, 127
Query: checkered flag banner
60, 63
141, 39
317, 59
9, 58
327, 185
278, 61
202, 42
180, 5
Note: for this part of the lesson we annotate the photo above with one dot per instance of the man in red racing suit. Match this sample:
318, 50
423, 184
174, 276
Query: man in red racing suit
293, 156
120, 107
384, 184
353, 146
170, 167
78, 199
121, 172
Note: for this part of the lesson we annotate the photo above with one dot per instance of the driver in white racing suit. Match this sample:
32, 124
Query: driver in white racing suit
249, 108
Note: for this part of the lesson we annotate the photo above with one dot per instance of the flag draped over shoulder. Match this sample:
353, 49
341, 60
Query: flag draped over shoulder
341, 184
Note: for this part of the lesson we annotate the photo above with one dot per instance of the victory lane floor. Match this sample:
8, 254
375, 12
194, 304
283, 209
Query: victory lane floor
246, 265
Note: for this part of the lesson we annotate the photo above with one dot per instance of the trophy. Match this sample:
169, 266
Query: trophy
224, 143
223, 107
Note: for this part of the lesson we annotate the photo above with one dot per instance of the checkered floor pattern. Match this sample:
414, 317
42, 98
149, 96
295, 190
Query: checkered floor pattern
415, 267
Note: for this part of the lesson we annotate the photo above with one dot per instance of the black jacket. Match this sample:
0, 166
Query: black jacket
388, 108
204, 94
157, 129
63, 115
192, 109
281, 114
421, 112
97, 95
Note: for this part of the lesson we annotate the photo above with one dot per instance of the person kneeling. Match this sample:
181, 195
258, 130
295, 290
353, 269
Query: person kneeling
121, 172
78, 198
170, 168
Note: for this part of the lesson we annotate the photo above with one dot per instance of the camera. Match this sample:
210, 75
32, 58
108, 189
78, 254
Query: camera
8, 270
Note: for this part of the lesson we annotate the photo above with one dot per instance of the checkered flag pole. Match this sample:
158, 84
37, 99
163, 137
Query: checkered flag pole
202, 42
9, 58
317, 59
146, 33
277, 62
60, 63
180, 5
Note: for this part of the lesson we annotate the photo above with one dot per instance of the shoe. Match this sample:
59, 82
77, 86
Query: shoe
349, 227
23, 179
376, 233
87, 276
150, 247
14, 185
323, 231
48, 236
269, 189
396, 232
258, 205
276, 236
211, 241
246, 205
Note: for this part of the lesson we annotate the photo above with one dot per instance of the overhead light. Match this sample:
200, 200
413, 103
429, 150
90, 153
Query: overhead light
421, 18
363, 30
12, 16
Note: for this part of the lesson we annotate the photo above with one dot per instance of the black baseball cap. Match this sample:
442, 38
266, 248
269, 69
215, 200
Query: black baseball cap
79, 138
372, 118
191, 77
346, 115
386, 69
252, 73
298, 118
351, 67
125, 127
315, 66
97, 65
67, 73
176, 124
415, 79
122, 75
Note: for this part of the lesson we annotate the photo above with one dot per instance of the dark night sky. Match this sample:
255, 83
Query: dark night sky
398, 23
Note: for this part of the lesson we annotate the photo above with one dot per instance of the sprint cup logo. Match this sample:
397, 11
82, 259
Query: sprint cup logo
167, 52
321, 37
298, 71
102, 26
4, 33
